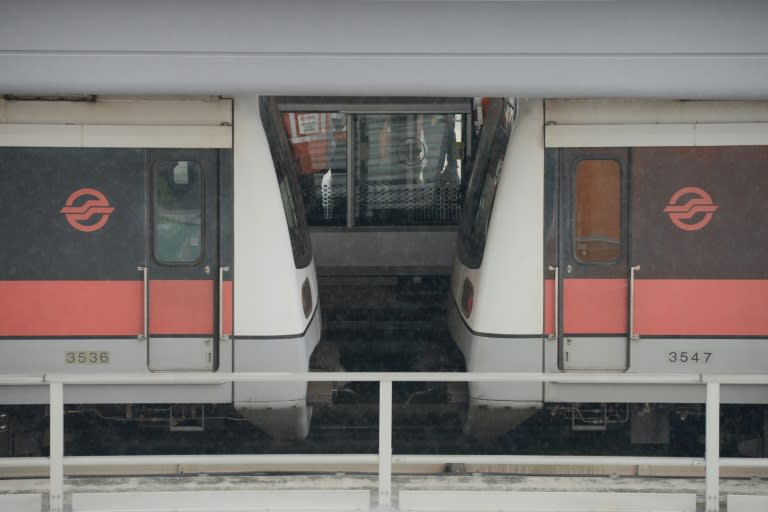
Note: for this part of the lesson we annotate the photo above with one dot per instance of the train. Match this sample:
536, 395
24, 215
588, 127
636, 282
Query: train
170, 234
139, 237
613, 236
181, 234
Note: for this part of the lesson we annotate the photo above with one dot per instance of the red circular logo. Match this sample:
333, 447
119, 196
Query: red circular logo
81, 216
692, 214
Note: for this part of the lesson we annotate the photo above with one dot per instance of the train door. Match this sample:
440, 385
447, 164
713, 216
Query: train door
593, 259
183, 260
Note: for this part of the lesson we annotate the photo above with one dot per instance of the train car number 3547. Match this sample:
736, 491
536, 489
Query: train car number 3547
689, 357
88, 357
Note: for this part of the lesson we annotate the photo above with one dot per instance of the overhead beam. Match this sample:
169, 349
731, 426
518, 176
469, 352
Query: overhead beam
664, 49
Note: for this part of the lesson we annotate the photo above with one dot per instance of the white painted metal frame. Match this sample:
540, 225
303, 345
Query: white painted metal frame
530, 501
746, 503
223, 501
56, 462
21, 502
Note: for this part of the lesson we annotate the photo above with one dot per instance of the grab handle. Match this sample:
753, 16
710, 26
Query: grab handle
222, 336
145, 335
556, 270
632, 334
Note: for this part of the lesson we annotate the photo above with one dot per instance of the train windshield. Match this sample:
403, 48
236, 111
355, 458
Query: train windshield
481, 191
285, 169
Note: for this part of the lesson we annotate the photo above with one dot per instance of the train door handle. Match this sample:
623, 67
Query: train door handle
556, 270
632, 334
145, 274
222, 336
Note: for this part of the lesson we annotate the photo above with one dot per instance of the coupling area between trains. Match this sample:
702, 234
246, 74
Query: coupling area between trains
188, 233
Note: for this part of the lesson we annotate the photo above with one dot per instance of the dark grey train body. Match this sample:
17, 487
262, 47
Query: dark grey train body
614, 236
139, 238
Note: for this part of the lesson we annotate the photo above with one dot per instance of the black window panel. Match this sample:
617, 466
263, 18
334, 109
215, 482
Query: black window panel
481, 192
287, 171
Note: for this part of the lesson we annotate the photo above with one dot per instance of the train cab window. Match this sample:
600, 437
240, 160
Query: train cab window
178, 212
319, 143
481, 191
287, 170
597, 213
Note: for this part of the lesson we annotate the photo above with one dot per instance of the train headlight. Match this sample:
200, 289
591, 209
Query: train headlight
467, 297
306, 298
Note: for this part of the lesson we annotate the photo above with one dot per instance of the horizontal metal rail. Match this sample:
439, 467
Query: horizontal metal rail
547, 460
24, 462
221, 460
385, 459
190, 378
730, 462
368, 459
21, 380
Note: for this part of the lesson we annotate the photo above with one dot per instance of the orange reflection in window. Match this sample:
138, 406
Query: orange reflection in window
598, 211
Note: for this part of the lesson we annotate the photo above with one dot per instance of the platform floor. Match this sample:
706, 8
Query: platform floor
445, 482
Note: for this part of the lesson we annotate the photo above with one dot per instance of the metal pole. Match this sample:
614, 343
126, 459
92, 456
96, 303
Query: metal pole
56, 413
632, 335
144, 336
351, 168
712, 453
221, 302
385, 445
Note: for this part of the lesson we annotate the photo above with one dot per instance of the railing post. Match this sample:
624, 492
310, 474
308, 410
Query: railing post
385, 445
712, 450
56, 460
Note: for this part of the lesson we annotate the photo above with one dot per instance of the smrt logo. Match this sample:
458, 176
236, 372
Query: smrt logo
692, 214
87, 210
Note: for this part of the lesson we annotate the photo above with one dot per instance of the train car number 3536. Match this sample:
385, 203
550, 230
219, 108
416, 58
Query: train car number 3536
689, 357
88, 357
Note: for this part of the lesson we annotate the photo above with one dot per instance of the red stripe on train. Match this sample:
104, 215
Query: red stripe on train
594, 306
70, 308
186, 307
671, 307
180, 307
108, 308
549, 306
701, 306
227, 306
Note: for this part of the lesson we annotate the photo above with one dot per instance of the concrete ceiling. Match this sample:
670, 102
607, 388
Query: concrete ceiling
610, 48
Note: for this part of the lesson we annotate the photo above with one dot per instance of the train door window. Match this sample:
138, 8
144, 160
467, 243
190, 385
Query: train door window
597, 216
178, 212
319, 144
408, 169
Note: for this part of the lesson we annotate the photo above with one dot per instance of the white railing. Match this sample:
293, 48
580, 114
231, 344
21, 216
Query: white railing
56, 462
